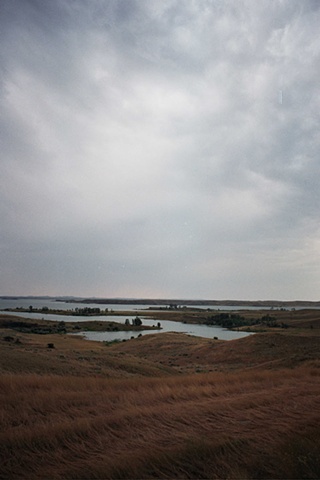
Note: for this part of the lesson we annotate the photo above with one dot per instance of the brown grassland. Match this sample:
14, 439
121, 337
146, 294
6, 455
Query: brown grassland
164, 406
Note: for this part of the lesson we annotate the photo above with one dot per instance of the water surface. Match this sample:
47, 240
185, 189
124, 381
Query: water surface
167, 325
197, 330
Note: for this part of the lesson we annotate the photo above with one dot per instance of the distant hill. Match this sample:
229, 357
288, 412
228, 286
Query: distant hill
173, 302
230, 303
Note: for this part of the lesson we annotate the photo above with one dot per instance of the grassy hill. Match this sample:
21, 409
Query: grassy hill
161, 406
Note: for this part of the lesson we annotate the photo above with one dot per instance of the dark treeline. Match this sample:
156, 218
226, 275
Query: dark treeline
171, 302
83, 312
235, 320
89, 311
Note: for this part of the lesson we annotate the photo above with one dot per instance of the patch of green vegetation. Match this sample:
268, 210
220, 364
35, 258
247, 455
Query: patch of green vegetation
112, 342
45, 327
83, 312
235, 320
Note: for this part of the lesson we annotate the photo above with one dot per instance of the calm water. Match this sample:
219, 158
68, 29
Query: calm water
53, 304
71, 318
167, 326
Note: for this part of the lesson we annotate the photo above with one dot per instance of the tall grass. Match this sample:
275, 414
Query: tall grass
255, 424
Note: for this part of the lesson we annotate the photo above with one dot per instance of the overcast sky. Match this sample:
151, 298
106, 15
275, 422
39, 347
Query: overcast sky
160, 148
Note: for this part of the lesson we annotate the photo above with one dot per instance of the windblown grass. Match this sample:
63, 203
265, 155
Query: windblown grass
188, 354
137, 410
254, 424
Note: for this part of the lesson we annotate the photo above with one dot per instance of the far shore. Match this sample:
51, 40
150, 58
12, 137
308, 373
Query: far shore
172, 302
41, 326
181, 302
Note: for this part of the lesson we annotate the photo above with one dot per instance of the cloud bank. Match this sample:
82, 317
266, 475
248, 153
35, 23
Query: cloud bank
160, 149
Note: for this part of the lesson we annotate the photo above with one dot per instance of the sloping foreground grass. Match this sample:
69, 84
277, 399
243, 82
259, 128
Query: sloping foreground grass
189, 354
244, 425
71, 355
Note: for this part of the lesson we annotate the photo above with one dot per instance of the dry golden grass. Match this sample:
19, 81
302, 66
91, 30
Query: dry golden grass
72, 355
138, 410
195, 426
190, 354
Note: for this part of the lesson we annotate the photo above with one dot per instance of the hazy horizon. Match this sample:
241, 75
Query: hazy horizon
162, 299
160, 149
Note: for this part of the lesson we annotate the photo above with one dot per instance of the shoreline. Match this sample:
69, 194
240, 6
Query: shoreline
168, 301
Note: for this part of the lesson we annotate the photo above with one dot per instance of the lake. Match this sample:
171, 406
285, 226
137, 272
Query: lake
52, 303
167, 325
206, 331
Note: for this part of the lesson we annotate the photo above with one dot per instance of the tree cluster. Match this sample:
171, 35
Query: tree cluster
88, 311
136, 322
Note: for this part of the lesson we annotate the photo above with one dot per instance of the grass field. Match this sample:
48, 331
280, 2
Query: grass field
161, 406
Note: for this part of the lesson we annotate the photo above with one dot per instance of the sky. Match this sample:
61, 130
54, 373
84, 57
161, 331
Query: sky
160, 148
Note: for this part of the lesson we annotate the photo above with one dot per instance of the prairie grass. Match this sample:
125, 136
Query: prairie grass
189, 354
250, 424
72, 355
86, 411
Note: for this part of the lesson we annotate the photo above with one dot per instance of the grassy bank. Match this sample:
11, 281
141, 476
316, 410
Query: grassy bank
44, 327
252, 320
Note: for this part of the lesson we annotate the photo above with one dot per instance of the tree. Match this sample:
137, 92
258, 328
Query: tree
137, 322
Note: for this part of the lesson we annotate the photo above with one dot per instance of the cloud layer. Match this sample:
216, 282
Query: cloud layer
160, 149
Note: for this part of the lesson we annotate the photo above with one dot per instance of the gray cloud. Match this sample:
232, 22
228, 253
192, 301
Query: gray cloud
160, 148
